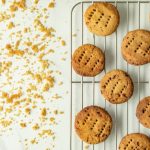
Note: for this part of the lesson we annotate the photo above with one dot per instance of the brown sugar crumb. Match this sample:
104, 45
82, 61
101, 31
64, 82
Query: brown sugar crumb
1, 108
36, 1
56, 96
3, 1
12, 51
43, 112
44, 63
46, 132
51, 51
5, 123
52, 119
28, 111
5, 95
4, 16
10, 25
26, 30
55, 112
42, 47
46, 87
18, 4
4, 66
11, 98
38, 96
51, 4
23, 125
13, 8
51, 81
48, 31
8, 110
38, 78
61, 112
32, 87
34, 141
35, 48
35, 127
63, 43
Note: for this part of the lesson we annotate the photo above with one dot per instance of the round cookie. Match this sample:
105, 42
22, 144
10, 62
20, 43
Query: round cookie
102, 18
135, 141
143, 112
88, 60
136, 47
116, 86
93, 124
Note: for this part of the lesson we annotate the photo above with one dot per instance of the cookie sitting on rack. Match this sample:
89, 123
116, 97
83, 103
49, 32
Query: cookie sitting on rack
143, 112
88, 60
102, 18
93, 124
116, 86
135, 141
136, 47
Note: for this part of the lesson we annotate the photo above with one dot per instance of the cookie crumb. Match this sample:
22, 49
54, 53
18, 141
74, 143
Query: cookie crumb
23, 125
10, 25
51, 4
36, 1
28, 111
35, 127
43, 112
3, 1
63, 43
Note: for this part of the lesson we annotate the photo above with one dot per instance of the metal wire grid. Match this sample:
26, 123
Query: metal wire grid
116, 49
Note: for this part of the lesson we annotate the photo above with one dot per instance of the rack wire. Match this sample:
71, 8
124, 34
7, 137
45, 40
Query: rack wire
93, 82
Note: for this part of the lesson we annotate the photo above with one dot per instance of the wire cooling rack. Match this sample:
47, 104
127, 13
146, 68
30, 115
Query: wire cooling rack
85, 91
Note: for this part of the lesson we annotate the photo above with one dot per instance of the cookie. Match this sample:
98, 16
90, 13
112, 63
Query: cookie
102, 18
136, 47
143, 112
88, 60
93, 124
135, 141
116, 86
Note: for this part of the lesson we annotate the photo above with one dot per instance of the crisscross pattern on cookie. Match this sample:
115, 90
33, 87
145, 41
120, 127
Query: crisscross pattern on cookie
135, 141
143, 112
88, 60
93, 124
136, 47
116, 86
102, 18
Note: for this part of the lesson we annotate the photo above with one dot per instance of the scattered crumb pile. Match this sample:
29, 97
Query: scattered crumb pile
29, 79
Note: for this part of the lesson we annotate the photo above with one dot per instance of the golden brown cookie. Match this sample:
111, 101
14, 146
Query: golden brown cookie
102, 18
143, 112
136, 47
93, 124
116, 86
88, 60
135, 141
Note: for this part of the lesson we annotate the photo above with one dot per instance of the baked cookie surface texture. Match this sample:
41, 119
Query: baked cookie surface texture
93, 124
136, 47
102, 18
88, 60
135, 141
116, 86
